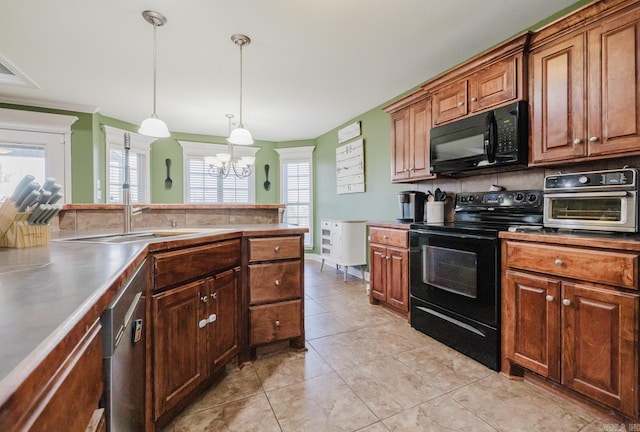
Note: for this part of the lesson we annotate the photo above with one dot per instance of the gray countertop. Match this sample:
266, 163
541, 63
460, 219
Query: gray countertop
45, 290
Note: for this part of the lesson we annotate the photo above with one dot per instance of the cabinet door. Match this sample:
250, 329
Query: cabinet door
450, 102
614, 85
397, 284
599, 354
420, 127
494, 85
377, 278
558, 95
223, 334
179, 344
532, 322
400, 138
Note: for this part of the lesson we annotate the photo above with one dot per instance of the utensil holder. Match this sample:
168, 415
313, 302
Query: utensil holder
435, 212
15, 230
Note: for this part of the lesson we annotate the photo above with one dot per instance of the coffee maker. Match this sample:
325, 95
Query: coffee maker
411, 206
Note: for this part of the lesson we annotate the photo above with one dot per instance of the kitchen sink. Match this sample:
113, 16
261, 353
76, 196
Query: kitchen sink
136, 236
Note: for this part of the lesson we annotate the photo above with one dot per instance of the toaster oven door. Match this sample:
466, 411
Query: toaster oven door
615, 211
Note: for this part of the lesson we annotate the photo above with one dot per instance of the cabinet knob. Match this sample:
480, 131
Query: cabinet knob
577, 141
277, 248
388, 257
566, 302
212, 318
204, 299
593, 139
558, 262
214, 295
549, 298
474, 99
277, 323
460, 103
277, 282
385, 237
202, 323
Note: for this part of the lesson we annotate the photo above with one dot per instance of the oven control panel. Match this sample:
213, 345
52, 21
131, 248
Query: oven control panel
530, 199
625, 179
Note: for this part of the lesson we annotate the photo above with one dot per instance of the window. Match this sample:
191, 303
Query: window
296, 188
200, 187
35, 143
139, 171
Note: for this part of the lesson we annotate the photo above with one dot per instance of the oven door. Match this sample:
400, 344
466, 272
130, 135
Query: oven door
601, 211
457, 272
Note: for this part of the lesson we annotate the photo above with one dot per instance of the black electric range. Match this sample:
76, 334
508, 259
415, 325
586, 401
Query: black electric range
455, 270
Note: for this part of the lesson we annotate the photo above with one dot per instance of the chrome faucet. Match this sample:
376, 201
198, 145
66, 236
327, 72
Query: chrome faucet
129, 211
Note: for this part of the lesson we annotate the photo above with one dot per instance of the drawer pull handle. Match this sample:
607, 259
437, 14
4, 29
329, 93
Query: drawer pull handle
277, 323
277, 248
558, 262
214, 295
549, 298
566, 302
277, 282
204, 299
202, 323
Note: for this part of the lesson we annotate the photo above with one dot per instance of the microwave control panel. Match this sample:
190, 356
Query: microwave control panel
623, 179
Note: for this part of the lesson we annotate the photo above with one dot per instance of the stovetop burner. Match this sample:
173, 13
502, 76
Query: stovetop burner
491, 212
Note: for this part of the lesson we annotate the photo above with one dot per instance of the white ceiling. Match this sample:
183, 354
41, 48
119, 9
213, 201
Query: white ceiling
312, 64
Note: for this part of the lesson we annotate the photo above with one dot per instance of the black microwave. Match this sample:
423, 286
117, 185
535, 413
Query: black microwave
492, 141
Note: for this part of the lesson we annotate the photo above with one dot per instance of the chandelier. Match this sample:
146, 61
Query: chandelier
222, 164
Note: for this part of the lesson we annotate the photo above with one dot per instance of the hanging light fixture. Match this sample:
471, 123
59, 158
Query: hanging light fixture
153, 126
240, 135
222, 164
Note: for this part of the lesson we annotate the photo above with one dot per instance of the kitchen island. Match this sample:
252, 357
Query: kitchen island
51, 297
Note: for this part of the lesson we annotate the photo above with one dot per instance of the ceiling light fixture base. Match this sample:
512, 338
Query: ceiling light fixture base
154, 18
240, 39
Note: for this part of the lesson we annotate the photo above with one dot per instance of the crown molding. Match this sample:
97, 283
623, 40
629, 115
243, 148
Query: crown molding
89, 109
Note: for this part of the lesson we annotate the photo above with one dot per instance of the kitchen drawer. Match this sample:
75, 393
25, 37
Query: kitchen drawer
389, 237
274, 248
612, 268
186, 264
274, 322
274, 281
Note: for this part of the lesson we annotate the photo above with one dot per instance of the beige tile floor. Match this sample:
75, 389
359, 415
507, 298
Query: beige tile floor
367, 370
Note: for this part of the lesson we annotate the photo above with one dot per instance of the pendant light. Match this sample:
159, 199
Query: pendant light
240, 135
153, 126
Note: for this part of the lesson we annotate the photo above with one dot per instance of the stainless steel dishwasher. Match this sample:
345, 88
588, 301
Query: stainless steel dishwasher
124, 355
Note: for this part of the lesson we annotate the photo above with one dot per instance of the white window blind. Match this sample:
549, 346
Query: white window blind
204, 188
200, 187
136, 176
296, 188
139, 166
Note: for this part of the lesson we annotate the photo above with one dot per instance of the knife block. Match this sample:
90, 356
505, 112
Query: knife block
21, 234
8, 213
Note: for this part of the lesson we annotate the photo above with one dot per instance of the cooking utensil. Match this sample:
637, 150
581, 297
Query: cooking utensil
267, 183
44, 197
168, 182
55, 198
33, 186
430, 197
37, 212
21, 185
30, 199
49, 182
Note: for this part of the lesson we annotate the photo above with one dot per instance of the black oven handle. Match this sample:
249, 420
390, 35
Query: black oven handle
455, 235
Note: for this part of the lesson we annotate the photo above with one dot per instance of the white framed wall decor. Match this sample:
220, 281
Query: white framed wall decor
350, 167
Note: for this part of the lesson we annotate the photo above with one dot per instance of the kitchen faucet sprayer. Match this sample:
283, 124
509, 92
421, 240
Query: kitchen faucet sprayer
126, 190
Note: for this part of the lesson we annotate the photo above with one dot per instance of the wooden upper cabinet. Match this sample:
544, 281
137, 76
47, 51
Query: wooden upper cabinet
558, 101
450, 102
410, 128
585, 90
614, 85
495, 84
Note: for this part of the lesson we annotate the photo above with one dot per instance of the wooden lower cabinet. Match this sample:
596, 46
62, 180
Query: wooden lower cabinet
582, 335
195, 333
389, 267
274, 292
